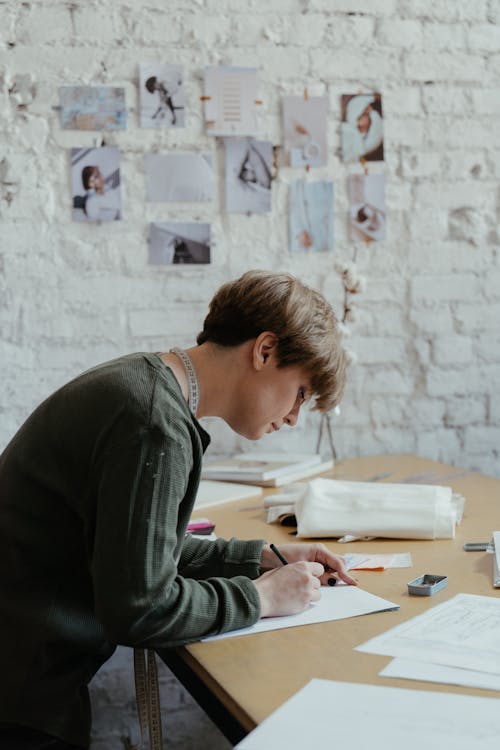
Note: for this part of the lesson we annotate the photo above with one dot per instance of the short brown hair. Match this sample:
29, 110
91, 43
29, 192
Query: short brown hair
300, 317
87, 173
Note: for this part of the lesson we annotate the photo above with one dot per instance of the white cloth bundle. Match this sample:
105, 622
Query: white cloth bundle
354, 510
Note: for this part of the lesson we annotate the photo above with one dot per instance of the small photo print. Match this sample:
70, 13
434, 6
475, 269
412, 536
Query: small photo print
179, 178
362, 127
95, 184
311, 216
162, 96
172, 243
230, 95
367, 206
304, 125
249, 166
92, 108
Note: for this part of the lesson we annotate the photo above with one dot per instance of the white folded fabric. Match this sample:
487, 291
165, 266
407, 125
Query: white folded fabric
330, 507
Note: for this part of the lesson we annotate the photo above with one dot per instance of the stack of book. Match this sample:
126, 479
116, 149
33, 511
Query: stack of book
266, 469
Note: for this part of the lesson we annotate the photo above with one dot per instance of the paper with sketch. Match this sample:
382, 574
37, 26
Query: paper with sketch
420, 670
335, 604
461, 632
343, 714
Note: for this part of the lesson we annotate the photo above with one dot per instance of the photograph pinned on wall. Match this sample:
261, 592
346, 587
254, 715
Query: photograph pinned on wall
249, 170
179, 178
311, 216
162, 95
92, 108
367, 206
362, 127
230, 98
304, 126
173, 243
95, 184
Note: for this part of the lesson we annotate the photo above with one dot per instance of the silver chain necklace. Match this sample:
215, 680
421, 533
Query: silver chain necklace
193, 385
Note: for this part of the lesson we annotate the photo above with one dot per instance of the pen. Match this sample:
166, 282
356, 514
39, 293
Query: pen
278, 554
331, 581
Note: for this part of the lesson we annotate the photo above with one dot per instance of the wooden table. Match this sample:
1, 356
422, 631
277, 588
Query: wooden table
240, 681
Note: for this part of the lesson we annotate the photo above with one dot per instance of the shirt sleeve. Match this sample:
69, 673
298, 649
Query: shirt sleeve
139, 596
201, 558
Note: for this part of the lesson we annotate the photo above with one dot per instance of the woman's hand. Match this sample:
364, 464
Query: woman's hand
311, 552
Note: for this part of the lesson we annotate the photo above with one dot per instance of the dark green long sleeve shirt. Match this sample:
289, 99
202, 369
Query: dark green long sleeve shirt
96, 490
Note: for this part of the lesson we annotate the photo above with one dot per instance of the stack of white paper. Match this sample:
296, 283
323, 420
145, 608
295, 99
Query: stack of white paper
462, 633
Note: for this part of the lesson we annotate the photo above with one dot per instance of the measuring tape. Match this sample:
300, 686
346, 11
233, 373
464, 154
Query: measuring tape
147, 695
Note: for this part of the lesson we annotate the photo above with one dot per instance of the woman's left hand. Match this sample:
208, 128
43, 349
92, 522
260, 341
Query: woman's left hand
312, 552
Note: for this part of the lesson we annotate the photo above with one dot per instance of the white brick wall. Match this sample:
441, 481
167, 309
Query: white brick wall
427, 336
72, 295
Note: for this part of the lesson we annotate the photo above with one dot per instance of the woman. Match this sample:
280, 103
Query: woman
97, 487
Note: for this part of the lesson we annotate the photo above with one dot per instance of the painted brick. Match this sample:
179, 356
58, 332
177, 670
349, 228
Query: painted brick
444, 66
438, 444
443, 257
450, 382
358, 7
444, 288
465, 411
374, 350
396, 33
89, 26
486, 101
389, 381
481, 439
332, 64
307, 30
456, 195
491, 284
475, 318
421, 164
444, 99
485, 36
487, 347
342, 29
405, 99
494, 409
463, 165
444, 36
452, 350
445, 10
43, 24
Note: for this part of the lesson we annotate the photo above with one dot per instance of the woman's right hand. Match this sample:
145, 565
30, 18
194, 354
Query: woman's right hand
290, 589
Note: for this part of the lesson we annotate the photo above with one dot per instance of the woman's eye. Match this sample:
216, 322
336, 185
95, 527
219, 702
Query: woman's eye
302, 395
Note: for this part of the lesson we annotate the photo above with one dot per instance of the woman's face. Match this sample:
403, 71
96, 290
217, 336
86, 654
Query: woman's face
364, 120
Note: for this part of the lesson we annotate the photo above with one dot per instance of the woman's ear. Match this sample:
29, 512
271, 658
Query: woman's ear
264, 349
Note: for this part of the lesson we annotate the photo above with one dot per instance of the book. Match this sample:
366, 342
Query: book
215, 493
295, 476
265, 469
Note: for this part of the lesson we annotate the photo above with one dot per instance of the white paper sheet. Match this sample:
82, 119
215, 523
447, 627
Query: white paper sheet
355, 561
420, 670
327, 714
336, 603
461, 632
